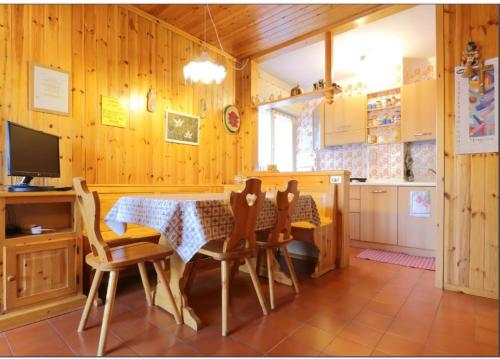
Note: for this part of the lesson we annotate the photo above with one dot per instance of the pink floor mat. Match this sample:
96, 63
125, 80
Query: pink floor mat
401, 259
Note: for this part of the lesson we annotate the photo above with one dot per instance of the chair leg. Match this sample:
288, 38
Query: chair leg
291, 269
145, 282
90, 299
270, 275
225, 294
163, 281
108, 309
256, 285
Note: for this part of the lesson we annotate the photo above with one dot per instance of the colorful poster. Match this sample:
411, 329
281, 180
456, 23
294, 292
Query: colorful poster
476, 113
182, 128
420, 204
112, 112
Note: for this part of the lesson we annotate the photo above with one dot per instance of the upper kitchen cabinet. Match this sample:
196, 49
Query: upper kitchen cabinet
418, 111
344, 120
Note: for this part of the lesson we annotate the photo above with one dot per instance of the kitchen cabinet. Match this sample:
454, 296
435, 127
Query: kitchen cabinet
379, 216
416, 232
345, 120
418, 111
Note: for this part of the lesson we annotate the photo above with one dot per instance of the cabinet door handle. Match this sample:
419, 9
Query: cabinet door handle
379, 191
343, 128
11, 278
422, 134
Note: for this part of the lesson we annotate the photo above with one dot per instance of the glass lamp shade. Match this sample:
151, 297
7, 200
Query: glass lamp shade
204, 70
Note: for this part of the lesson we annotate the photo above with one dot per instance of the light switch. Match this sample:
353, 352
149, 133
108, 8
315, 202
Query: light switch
335, 179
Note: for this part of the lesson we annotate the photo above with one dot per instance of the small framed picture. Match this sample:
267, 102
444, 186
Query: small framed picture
182, 128
49, 90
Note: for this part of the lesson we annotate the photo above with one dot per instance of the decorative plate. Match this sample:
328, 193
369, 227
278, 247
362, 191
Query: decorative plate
231, 118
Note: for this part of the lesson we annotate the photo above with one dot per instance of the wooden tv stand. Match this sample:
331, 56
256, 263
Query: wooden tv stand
41, 273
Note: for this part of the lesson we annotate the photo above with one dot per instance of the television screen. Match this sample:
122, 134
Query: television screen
31, 153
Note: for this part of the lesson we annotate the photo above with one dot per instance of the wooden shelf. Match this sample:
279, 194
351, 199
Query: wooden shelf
383, 108
63, 232
307, 96
387, 125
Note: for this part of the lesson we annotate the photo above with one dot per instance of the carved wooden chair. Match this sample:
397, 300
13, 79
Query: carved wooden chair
280, 236
240, 244
105, 258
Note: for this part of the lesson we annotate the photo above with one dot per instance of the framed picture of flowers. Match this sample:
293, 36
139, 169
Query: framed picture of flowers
182, 128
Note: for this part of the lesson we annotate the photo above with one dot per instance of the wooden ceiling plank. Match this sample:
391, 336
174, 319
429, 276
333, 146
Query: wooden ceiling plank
222, 15
248, 38
276, 21
366, 13
176, 30
311, 22
251, 20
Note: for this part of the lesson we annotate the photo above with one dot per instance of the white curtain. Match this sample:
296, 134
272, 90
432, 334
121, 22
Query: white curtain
276, 140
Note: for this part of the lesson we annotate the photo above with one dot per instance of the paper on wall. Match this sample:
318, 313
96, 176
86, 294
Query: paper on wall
420, 204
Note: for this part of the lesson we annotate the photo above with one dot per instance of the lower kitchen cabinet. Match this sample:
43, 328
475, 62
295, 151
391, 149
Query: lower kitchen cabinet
379, 216
416, 232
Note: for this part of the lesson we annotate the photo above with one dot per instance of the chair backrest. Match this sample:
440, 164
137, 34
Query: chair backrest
246, 206
89, 205
285, 202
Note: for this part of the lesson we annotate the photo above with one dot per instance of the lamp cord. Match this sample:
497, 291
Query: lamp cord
218, 39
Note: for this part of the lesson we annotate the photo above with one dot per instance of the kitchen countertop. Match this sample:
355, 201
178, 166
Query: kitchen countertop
394, 183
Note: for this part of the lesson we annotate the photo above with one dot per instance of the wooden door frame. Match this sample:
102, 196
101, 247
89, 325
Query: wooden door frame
440, 129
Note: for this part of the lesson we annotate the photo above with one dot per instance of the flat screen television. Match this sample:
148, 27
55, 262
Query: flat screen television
31, 153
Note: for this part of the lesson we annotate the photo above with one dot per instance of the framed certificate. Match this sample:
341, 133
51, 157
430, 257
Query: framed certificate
49, 90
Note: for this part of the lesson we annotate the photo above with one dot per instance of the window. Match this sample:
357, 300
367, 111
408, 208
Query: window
276, 140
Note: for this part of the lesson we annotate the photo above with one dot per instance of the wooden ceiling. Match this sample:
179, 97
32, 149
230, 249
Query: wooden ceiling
249, 30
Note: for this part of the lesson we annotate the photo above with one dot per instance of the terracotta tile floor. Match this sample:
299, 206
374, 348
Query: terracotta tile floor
369, 309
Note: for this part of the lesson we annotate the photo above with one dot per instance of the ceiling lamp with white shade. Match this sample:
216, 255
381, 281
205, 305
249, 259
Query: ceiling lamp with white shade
202, 69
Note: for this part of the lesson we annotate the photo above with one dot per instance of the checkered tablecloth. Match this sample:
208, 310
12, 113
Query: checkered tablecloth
188, 221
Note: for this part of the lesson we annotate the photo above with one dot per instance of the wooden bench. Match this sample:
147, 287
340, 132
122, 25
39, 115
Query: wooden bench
331, 238
322, 237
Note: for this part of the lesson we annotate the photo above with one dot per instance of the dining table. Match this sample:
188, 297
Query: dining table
186, 222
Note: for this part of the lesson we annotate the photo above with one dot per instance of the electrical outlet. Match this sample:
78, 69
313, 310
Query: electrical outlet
335, 179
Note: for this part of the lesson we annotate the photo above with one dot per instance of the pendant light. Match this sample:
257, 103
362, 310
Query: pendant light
202, 69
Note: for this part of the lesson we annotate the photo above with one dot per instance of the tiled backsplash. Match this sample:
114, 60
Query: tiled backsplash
424, 159
385, 161
348, 157
380, 161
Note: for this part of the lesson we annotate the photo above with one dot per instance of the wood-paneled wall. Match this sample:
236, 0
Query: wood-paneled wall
111, 50
471, 181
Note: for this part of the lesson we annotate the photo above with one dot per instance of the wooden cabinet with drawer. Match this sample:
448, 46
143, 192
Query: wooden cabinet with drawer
418, 111
354, 212
379, 216
41, 272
